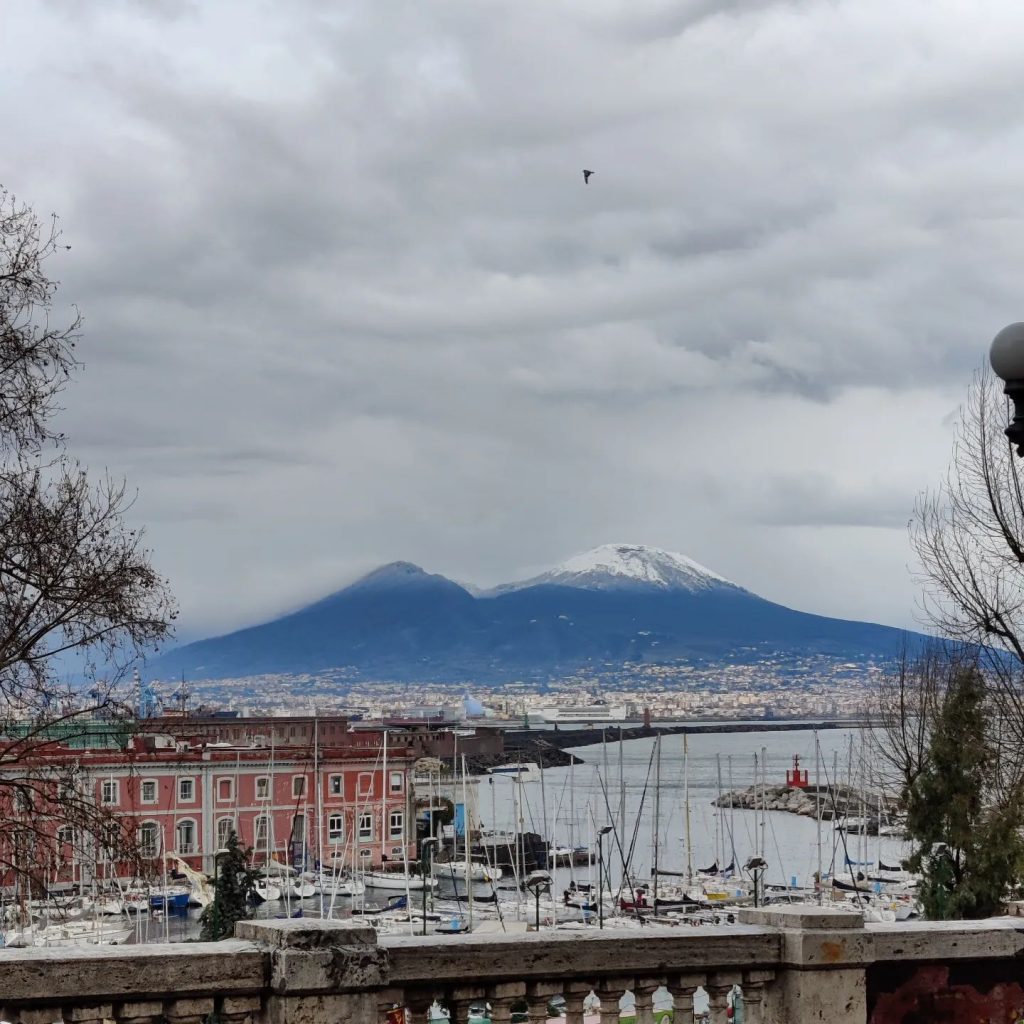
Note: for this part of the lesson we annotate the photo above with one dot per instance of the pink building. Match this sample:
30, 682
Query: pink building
353, 806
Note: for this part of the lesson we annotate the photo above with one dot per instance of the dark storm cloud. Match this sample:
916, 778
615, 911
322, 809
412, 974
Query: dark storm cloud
347, 298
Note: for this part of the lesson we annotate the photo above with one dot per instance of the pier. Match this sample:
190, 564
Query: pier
567, 739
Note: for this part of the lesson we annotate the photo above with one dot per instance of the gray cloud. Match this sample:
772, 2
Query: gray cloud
347, 298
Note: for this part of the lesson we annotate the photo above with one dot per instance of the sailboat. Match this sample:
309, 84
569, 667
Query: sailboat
265, 891
401, 880
472, 870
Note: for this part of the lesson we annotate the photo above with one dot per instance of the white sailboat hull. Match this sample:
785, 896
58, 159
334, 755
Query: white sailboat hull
266, 892
397, 880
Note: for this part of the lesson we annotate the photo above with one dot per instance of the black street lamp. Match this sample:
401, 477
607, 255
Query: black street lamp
756, 867
426, 855
538, 882
1007, 358
600, 874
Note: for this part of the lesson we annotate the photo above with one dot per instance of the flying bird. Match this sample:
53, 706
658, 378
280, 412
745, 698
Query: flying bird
586, 177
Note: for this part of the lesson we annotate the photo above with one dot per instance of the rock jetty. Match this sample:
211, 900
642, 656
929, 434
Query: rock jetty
836, 802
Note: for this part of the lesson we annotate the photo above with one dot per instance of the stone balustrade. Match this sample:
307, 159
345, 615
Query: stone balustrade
778, 966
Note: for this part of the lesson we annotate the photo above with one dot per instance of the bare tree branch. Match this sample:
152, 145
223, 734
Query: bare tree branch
79, 598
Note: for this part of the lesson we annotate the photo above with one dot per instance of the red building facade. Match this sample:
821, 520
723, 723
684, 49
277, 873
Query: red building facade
339, 805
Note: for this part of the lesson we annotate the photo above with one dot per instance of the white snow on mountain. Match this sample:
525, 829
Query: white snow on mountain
613, 566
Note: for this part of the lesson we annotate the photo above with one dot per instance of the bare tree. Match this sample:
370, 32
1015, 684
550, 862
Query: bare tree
969, 539
908, 700
78, 594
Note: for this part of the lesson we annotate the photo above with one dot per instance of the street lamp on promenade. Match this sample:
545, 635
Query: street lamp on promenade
600, 874
427, 849
539, 882
1007, 358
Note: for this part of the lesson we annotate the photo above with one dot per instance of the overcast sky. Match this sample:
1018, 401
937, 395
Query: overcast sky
348, 300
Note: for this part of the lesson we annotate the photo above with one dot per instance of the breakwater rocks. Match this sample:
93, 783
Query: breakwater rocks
537, 750
836, 802
577, 737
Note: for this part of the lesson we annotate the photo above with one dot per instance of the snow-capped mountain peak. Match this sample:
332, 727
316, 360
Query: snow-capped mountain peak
618, 566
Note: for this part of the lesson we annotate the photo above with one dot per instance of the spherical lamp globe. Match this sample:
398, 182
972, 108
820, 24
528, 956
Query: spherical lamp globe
1007, 353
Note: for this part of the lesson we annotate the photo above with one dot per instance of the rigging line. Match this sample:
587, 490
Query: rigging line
640, 811
625, 862
846, 852
529, 807
636, 823
778, 852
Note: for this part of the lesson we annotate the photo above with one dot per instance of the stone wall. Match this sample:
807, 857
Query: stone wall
791, 966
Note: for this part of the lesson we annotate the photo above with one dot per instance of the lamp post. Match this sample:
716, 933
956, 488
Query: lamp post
1007, 358
538, 882
426, 855
600, 874
755, 867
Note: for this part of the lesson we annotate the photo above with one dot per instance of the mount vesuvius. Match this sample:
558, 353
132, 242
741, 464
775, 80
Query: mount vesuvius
599, 612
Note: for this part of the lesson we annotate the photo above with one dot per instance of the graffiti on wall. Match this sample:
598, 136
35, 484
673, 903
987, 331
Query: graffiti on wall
967, 992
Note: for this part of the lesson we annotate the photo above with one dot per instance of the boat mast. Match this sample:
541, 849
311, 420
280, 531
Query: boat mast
719, 816
817, 815
686, 801
572, 812
732, 816
318, 808
657, 816
622, 813
384, 797
543, 818
467, 821
764, 801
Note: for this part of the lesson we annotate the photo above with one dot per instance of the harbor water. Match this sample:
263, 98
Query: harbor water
570, 806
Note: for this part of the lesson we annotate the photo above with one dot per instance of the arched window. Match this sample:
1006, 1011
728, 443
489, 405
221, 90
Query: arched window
149, 839
225, 826
185, 837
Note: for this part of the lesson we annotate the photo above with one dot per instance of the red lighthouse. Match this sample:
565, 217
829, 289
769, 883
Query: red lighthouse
795, 778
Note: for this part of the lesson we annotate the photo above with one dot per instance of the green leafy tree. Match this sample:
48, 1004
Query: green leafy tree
234, 885
967, 839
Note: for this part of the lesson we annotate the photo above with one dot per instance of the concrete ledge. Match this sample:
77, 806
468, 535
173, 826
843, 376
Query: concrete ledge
579, 954
158, 971
802, 918
306, 933
808, 946
996, 938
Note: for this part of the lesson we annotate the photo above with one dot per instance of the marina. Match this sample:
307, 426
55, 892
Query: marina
650, 831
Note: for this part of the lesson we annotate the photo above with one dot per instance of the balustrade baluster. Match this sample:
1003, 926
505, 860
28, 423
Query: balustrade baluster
753, 995
610, 991
575, 993
96, 1014
502, 998
643, 993
538, 995
683, 987
719, 985
231, 1010
461, 999
30, 1015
